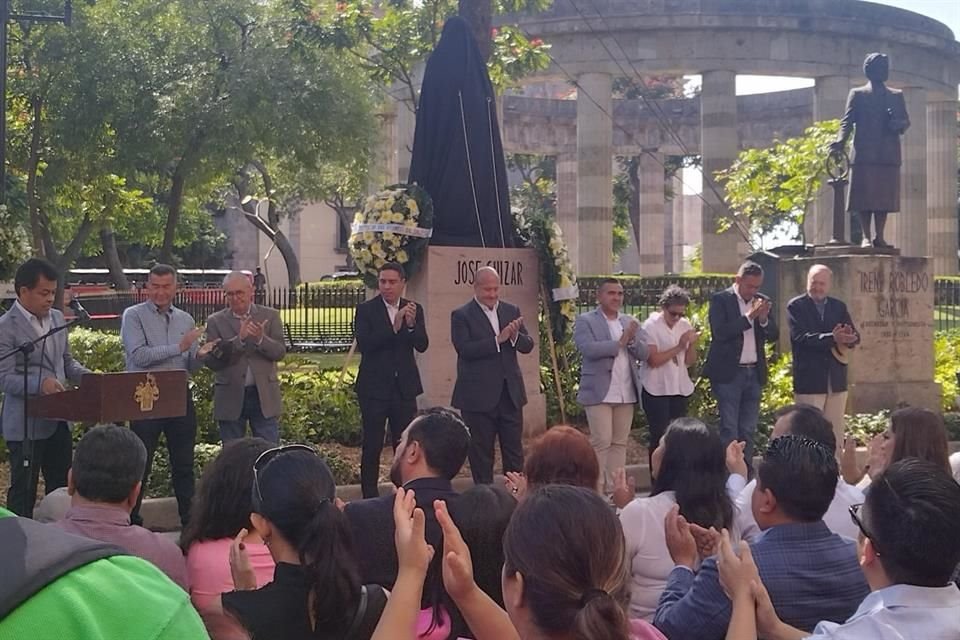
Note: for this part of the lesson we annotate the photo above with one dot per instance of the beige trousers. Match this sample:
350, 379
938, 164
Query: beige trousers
833, 405
609, 432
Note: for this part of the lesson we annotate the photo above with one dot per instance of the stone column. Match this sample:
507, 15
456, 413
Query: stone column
942, 185
405, 125
651, 213
595, 172
719, 146
829, 103
383, 170
567, 206
908, 228
678, 211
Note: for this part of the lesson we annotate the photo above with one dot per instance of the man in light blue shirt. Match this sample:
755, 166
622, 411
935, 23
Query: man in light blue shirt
158, 336
909, 546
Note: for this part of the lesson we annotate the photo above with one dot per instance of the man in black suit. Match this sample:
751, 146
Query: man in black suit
740, 324
487, 334
388, 329
431, 453
821, 332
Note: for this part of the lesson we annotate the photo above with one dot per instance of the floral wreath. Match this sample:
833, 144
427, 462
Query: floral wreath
394, 225
545, 236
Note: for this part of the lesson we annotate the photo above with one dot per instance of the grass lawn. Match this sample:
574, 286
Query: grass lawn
313, 315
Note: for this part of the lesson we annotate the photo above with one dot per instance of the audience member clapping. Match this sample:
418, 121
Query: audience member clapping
812, 573
908, 548
221, 509
913, 433
103, 484
562, 455
808, 421
316, 590
690, 475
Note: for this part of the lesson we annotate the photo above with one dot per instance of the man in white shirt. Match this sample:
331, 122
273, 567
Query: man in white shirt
612, 345
908, 548
810, 422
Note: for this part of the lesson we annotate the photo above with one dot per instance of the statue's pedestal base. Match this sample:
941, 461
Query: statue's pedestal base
445, 282
890, 299
835, 250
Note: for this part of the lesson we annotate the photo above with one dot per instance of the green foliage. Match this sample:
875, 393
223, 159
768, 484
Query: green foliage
862, 427
317, 410
946, 349
14, 243
772, 188
96, 350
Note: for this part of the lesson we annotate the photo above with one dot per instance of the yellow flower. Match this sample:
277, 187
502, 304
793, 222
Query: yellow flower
368, 236
397, 217
379, 262
410, 223
564, 281
402, 256
412, 206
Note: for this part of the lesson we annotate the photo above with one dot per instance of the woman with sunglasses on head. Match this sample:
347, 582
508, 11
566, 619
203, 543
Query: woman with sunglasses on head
316, 591
672, 343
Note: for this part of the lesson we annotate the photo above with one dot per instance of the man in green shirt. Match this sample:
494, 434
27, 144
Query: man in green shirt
109, 598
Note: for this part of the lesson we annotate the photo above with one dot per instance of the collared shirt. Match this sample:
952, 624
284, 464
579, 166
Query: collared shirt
671, 378
900, 612
622, 390
111, 524
837, 517
151, 338
41, 325
749, 353
494, 320
393, 309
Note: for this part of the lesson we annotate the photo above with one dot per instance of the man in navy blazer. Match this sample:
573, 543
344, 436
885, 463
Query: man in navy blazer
488, 333
388, 329
821, 331
49, 366
740, 325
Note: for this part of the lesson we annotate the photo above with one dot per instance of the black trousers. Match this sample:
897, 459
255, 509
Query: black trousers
397, 412
505, 421
181, 435
661, 411
52, 455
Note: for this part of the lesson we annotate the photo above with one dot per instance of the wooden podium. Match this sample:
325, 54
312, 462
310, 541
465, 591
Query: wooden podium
117, 397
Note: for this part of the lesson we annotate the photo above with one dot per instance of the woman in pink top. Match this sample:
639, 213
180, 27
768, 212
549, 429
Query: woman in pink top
221, 508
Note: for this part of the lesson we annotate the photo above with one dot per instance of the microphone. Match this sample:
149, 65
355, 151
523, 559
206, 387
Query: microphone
81, 314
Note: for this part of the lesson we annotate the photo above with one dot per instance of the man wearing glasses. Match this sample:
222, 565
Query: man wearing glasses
246, 343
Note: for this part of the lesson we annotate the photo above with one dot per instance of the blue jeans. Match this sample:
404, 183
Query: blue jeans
739, 404
266, 428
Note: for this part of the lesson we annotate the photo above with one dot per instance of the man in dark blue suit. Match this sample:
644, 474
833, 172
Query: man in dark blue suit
740, 325
431, 453
388, 329
488, 333
821, 332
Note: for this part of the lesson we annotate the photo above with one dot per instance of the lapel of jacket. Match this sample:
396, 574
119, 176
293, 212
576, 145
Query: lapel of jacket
28, 333
480, 316
382, 310
601, 322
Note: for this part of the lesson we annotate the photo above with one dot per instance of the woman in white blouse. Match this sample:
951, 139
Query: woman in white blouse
672, 344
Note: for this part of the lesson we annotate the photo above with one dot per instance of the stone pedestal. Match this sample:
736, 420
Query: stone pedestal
890, 299
445, 282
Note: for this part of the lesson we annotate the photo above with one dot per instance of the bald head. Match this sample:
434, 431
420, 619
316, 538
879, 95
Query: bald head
819, 279
486, 286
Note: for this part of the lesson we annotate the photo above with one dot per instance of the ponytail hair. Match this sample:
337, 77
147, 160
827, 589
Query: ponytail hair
578, 583
296, 494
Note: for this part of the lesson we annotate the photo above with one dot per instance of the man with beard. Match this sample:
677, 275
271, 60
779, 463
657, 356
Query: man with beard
431, 453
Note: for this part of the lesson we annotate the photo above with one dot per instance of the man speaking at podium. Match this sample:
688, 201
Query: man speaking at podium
47, 442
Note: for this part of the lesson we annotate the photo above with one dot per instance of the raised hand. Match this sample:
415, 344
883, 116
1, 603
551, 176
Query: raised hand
708, 540
624, 488
680, 541
737, 574
244, 579
734, 458
257, 329
190, 337
457, 563
410, 314
413, 552
516, 484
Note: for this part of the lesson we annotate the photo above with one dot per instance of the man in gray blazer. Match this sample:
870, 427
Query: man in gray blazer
244, 344
612, 345
48, 365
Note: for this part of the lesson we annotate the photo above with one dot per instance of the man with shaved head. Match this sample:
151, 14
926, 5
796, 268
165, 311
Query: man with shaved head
487, 333
821, 334
244, 344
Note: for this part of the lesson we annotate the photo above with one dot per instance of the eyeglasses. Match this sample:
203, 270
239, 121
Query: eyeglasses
676, 314
269, 455
855, 510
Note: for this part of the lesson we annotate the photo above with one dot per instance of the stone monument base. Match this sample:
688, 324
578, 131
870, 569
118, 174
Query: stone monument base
890, 298
445, 282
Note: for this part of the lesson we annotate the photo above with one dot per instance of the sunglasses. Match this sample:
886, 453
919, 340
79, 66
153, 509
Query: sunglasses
269, 455
855, 511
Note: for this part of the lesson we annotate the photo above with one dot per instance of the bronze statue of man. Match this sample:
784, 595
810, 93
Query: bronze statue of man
878, 115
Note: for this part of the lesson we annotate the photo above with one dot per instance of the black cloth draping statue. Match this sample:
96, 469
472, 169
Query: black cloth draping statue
457, 153
878, 117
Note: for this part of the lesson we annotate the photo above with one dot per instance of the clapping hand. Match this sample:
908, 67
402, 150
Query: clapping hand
517, 484
457, 563
738, 574
252, 329
510, 332
413, 552
244, 578
680, 541
410, 314
624, 488
736, 463
209, 346
629, 332
190, 337
708, 540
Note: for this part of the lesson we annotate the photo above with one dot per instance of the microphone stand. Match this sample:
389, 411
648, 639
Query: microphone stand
26, 349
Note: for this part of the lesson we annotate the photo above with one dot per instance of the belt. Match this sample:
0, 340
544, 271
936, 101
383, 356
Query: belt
747, 365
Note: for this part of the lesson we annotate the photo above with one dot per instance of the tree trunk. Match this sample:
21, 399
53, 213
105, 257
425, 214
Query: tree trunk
174, 208
479, 15
112, 257
33, 163
289, 256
